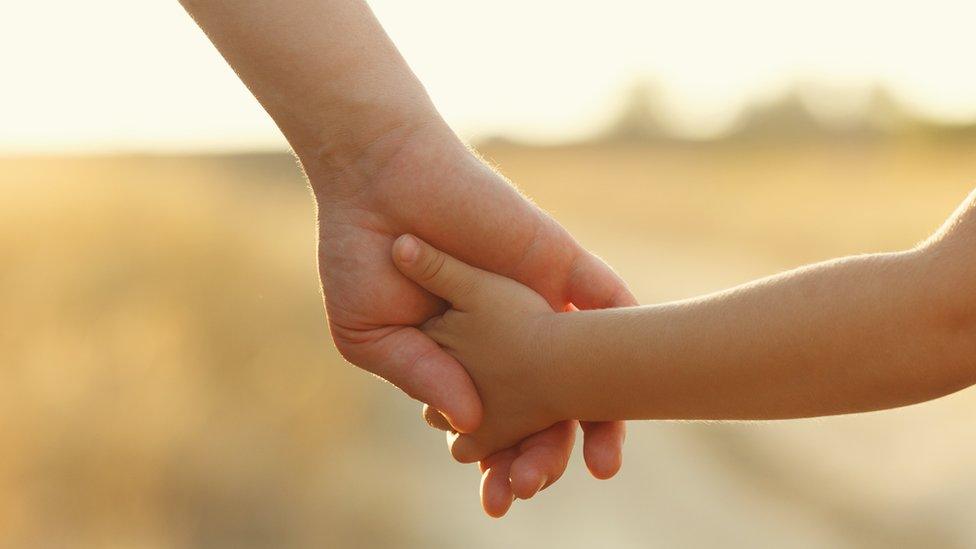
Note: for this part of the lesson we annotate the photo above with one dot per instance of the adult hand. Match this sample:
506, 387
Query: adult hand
382, 162
423, 181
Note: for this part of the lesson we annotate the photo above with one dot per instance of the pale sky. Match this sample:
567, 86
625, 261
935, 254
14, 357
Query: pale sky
138, 75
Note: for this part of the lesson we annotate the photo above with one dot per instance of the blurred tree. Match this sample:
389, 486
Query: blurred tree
640, 117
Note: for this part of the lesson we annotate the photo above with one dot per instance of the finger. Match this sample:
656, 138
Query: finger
407, 358
435, 419
594, 285
467, 449
603, 444
435, 271
542, 459
496, 493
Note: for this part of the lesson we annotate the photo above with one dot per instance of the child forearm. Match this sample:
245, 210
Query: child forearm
850, 335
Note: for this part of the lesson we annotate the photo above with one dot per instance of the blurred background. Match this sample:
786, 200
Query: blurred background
166, 375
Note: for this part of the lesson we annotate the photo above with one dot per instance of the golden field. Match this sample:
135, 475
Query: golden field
168, 378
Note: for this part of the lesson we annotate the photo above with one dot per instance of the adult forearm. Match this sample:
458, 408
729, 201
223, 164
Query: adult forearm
324, 70
851, 335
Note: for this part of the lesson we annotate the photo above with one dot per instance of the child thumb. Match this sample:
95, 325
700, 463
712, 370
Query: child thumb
435, 271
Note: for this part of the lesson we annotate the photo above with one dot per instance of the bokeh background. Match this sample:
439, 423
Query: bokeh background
166, 376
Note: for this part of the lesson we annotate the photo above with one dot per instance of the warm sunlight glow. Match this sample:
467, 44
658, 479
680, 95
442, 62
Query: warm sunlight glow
140, 75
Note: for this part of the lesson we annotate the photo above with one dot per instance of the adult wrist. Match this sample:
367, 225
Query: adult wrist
337, 168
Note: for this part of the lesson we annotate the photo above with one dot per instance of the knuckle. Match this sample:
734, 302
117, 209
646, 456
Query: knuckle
433, 267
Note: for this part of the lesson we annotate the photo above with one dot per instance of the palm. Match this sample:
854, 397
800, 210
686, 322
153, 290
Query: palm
367, 296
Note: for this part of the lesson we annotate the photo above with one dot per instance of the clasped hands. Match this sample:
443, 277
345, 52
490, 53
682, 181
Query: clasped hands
426, 183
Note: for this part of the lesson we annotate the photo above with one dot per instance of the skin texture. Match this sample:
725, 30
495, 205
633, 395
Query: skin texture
382, 162
855, 334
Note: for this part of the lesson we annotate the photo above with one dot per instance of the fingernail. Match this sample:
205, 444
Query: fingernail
407, 248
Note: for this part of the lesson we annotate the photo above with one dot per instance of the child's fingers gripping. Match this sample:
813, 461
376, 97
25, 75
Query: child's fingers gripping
435, 271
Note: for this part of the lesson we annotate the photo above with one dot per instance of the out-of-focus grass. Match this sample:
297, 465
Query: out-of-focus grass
166, 377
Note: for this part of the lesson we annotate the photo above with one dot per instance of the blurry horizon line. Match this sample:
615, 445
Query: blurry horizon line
804, 110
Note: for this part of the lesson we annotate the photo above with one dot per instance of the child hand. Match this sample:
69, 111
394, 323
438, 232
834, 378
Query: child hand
499, 330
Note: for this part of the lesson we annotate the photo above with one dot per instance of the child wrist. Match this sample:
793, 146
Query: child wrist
559, 389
